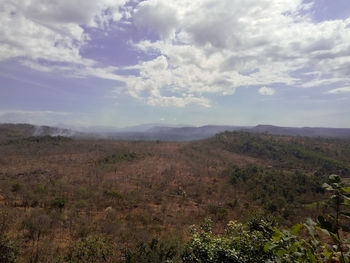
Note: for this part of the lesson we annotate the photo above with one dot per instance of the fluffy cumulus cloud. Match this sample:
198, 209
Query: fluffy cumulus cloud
212, 46
194, 48
265, 91
51, 30
157, 17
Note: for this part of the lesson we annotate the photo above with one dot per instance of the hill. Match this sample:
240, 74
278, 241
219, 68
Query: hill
304, 131
10, 131
69, 188
167, 133
153, 132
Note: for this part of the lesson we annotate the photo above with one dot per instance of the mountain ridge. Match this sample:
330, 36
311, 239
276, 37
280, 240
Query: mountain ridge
169, 133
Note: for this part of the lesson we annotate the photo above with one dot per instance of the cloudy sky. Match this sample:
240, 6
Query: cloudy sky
127, 62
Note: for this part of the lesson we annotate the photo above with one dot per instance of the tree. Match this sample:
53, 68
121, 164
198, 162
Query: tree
37, 224
289, 246
8, 250
260, 241
240, 244
333, 224
91, 249
153, 252
58, 203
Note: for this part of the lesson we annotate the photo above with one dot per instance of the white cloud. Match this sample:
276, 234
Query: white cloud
220, 46
204, 46
317, 81
339, 90
265, 91
157, 17
51, 30
158, 84
177, 101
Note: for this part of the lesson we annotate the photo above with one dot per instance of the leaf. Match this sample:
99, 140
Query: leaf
310, 225
296, 229
325, 231
327, 187
311, 256
346, 189
281, 252
294, 248
267, 247
327, 253
335, 238
276, 237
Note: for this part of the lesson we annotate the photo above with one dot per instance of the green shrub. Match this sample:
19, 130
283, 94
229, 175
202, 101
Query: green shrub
260, 241
90, 250
8, 250
154, 251
239, 244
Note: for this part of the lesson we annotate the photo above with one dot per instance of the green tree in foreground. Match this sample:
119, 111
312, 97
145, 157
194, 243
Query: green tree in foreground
239, 244
335, 224
265, 243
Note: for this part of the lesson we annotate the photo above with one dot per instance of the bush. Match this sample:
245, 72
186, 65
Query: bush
154, 251
58, 203
8, 250
90, 250
260, 241
239, 244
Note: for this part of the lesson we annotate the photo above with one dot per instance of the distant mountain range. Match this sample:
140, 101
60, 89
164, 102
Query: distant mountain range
166, 133
197, 133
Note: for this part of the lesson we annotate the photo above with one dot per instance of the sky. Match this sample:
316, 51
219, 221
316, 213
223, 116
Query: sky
118, 63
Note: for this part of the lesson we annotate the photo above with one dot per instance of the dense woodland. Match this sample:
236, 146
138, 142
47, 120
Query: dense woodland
81, 200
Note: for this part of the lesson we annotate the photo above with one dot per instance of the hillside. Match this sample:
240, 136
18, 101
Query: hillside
131, 191
153, 132
185, 133
18, 131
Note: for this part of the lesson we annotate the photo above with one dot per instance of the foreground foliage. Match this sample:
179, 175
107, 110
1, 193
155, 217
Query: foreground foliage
262, 242
238, 244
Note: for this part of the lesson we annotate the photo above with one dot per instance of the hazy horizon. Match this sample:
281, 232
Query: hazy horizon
145, 126
122, 63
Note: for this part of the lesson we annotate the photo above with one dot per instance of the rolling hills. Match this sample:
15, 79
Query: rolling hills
77, 186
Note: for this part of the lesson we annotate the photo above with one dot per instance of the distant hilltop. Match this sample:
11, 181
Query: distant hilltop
166, 133
10, 131
304, 131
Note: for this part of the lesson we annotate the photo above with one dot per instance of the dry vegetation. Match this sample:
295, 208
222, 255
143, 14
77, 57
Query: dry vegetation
55, 190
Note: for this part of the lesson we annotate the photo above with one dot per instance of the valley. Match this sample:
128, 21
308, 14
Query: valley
57, 190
